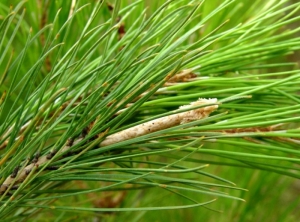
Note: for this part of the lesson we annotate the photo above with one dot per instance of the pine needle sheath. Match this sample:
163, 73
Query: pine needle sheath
132, 132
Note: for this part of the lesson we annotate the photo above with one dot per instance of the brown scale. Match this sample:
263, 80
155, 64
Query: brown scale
110, 6
15, 172
70, 141
91, 125
14, 187
121, 30
36, 157
110, 103
51, 154
84, 132
27, 172
52, 168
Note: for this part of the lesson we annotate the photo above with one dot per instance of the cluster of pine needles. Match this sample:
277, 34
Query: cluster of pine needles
106, 104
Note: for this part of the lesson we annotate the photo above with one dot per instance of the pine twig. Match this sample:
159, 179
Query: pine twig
132, 132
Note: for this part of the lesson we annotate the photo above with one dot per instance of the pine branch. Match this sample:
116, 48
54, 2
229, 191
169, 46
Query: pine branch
133, 132
89, 103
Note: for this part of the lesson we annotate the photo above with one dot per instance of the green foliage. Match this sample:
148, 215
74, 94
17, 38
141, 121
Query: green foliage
80, 71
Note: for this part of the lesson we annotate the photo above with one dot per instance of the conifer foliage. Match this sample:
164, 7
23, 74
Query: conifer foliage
105, 104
